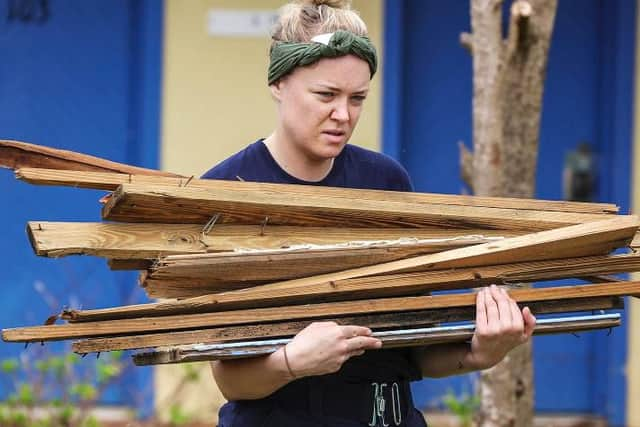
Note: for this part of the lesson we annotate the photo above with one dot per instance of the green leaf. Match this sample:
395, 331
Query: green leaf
25, 394
91, 422
177, 416
66, 414
191, 372
12, 399
9, 366
116, 355
84, 391
42, 366
18, 419
463, 406
107, 371
71, 359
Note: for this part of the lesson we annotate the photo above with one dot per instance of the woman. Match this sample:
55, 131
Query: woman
321, 65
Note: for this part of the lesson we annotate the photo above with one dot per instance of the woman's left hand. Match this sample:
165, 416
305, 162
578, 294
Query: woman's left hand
500, 327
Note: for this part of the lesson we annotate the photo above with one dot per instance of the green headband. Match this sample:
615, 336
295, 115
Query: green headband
286, 56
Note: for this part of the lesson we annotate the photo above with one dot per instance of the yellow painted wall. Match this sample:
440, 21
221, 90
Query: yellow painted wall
215, 96
215, 102
633, 331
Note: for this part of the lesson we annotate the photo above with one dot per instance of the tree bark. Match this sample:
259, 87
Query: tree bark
508, 80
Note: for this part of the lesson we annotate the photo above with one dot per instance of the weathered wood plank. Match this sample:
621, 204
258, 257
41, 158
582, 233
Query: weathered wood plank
140, 241
234, 270
390, 339
568, 242
17, 154
407, 283
385, 320
308, 311
144, 203
111, 181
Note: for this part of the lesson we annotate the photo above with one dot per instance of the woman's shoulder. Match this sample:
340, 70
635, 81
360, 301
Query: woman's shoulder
234, 166
382, 171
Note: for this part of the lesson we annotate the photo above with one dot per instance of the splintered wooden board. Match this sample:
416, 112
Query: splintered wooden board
233, 270
111, 181
594, 238
145, 203
17, 154
299, 312
403, 319
148, 241
408, 283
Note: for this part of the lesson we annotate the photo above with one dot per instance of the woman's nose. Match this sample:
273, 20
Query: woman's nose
340, 112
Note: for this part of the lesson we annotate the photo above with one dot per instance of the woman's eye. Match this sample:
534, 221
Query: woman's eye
358, 98
325, 94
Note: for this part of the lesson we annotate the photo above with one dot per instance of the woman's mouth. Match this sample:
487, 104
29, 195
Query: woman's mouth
335, 136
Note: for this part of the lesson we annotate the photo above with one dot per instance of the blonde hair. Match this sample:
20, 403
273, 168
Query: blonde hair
301, 20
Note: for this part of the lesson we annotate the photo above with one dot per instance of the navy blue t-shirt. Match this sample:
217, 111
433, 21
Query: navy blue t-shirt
354, 167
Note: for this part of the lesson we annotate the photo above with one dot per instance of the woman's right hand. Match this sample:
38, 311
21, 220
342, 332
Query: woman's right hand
322, 347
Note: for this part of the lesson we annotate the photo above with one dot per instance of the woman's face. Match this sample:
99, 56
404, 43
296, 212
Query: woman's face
319, 105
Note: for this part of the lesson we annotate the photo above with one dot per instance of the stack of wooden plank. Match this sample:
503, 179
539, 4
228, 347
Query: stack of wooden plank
245, 263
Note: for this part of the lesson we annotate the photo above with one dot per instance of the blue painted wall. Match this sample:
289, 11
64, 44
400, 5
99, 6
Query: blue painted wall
588, 97
86, 79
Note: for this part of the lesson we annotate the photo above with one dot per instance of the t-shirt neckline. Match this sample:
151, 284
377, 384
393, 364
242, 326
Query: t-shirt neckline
335, 168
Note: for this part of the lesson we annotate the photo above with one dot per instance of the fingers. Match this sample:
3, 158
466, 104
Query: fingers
481, 311
529, 322
362, 343
516, 317
351, 331
504, 306
493, 314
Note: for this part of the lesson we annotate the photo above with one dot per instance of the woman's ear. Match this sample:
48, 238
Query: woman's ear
276, 90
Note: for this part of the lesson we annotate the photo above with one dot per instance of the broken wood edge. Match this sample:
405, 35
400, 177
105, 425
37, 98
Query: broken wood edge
309, 311
225, 301
17, 154
95, 180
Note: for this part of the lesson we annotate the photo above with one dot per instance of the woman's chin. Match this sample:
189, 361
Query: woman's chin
330, 151
328, 154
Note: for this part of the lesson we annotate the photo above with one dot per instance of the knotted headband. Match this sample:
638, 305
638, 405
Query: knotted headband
286, 56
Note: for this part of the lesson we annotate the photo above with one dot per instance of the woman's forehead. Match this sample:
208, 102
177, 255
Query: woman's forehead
343, 72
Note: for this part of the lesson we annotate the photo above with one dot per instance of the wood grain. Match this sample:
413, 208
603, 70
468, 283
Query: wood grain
569, 242
144, 203
111, 181
17, 154
231, 270
309, 311
408, 283
147, 241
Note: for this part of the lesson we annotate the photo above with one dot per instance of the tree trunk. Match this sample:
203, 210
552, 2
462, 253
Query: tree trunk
508, 80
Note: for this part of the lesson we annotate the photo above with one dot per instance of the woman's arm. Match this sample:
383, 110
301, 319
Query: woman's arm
500, 327
320, 348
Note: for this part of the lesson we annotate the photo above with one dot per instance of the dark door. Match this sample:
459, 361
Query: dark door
84, 76
588, 99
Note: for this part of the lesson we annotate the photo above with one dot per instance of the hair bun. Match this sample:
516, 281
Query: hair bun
336, 4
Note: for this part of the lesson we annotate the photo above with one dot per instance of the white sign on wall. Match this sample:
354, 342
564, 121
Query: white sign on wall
240, 22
